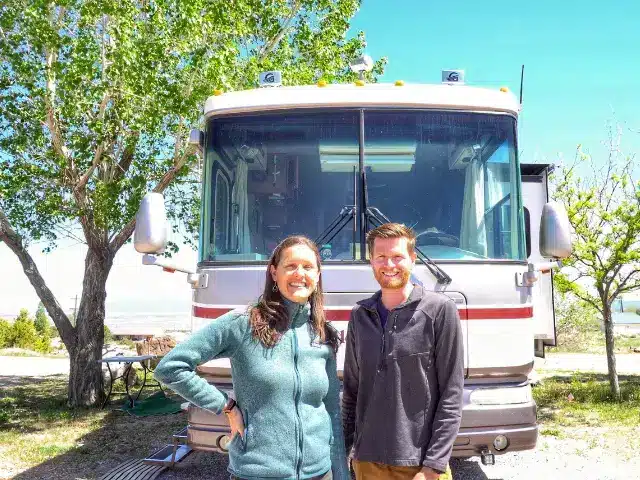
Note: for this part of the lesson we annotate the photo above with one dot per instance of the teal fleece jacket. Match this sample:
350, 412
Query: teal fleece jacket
288, 395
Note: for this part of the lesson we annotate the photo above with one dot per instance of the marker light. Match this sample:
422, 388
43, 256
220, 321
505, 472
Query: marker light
217, 92
322, 83
359, 83
504, 89
399, 83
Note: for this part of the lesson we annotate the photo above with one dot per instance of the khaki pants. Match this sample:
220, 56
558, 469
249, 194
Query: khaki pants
379, 471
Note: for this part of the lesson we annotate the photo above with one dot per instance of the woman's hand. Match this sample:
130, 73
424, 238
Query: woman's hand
236, 422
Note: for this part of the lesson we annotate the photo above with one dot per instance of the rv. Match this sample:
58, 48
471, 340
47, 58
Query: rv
333, 161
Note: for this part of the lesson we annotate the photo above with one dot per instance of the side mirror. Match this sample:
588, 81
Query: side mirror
151, 231
555, 232
196, 138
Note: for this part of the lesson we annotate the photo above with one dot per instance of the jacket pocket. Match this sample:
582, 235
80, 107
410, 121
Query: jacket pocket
247, 429
239, 443
412, 383
412, 338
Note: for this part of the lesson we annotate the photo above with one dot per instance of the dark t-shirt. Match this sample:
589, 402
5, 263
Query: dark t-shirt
382, 312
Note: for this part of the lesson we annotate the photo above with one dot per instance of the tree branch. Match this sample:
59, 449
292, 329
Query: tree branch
14, 242
50, 100
275, 40
587, 298
99, 149
621, 286
630, 288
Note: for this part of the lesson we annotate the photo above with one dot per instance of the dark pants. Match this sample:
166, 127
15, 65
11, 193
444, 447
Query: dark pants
326, 476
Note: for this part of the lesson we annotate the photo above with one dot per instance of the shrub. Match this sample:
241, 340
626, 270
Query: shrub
5, 333
42, 321
24, 334
578, 325
108, 336
42, 344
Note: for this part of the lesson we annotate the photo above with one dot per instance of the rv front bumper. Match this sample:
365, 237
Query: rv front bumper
472, 442
489, 428
496, 429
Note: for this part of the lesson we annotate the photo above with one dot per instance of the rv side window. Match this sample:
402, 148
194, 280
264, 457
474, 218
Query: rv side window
527, 230
221, 209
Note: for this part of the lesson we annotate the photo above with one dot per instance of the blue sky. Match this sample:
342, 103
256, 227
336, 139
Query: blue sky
582, 61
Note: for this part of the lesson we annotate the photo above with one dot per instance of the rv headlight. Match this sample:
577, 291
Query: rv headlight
501, 396
500, 442
223, 442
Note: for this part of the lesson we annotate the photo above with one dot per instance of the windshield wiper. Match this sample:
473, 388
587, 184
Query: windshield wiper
377, 218
347, 213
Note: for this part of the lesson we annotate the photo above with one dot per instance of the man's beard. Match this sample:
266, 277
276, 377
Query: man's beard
397, 282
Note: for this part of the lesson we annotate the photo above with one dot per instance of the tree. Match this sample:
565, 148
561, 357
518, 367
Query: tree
97, 98
41, 322
23, 332
5, 333
603, 203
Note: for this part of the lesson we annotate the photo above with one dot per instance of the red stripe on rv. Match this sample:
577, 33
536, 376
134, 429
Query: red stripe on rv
496, 313
338, 315
342, 315
209, 312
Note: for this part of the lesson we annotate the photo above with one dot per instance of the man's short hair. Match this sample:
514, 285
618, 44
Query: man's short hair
392, 230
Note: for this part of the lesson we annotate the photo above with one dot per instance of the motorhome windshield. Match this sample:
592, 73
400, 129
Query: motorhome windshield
452, 176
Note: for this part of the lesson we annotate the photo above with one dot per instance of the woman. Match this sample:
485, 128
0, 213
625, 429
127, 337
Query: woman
285, 419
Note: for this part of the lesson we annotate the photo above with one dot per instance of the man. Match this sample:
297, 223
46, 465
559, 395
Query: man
403, 370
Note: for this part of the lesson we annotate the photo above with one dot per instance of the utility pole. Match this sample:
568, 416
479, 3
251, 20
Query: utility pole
75, 309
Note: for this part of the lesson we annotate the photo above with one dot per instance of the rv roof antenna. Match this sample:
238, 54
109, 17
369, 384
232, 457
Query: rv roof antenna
521, 82
362, 64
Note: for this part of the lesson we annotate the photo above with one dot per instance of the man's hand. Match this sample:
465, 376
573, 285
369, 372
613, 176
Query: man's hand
426, 474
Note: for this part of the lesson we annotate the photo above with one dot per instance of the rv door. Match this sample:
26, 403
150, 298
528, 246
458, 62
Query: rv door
534, 195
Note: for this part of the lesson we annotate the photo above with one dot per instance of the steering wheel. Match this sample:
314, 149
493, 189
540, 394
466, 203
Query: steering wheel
441, 238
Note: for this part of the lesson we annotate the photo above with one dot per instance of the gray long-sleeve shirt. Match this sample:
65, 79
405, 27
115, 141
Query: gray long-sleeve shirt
402, 398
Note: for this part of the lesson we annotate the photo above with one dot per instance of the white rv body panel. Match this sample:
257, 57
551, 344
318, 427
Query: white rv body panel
454, 97
497, 316
534, 196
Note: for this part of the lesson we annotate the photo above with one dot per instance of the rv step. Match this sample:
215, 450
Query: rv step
165, 456
181, 435
134, 469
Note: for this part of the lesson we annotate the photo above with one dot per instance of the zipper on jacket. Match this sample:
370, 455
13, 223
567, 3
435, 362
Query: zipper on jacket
382, 342
298, 391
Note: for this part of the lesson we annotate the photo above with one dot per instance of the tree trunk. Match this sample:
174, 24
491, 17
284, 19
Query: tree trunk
611, 357
85, 374
57, 314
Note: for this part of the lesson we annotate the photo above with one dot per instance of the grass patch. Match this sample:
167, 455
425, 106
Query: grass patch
39, 433
13, 352
584, 400
551, 432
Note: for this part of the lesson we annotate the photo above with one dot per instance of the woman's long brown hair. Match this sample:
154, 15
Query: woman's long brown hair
269, 318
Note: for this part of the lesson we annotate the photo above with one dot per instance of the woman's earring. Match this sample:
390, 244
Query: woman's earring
275, 287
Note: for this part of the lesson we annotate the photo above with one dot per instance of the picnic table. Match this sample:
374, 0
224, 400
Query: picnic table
143, 360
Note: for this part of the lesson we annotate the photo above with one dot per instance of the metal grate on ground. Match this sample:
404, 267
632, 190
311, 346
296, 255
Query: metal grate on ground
134, 470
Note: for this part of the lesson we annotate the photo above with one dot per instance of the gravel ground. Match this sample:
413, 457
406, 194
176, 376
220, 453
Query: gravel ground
32, 366
589, 453
554, 459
